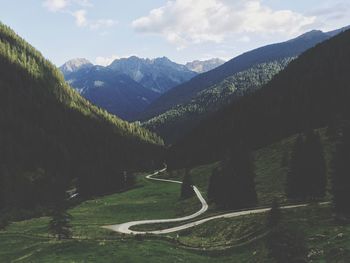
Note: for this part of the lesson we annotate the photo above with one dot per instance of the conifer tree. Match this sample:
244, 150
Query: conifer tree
314, 167
3, 222
341, 176
274, 216
306, 177
295, 175
187, 186
59, 225
213, 185
233, 186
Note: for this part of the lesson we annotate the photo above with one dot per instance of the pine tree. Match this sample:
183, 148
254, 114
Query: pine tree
233, 186
245, 184
341, 176
307, 177
187, 186
314, 167
59, 225
213, 188
3, 222
274, 215
295, 186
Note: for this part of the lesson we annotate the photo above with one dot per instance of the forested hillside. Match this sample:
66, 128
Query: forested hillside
309, 93
176, 122
52, 139
185, 92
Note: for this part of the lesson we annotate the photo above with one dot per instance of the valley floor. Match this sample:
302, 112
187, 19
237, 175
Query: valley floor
239, 239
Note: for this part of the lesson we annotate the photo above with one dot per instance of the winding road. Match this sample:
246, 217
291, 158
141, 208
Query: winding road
125, 227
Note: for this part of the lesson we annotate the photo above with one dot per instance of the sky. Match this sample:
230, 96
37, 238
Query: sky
182, 30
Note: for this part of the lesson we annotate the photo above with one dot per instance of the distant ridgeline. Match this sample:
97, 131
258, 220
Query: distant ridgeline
176, 122
128, 85
312, 91
51, 138
179, 110
185, 92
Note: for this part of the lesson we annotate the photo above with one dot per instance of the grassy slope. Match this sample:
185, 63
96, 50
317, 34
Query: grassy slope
327, 240
270, 174
132, 251
29, 239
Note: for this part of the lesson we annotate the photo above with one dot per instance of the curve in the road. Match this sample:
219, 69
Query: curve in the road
125, 227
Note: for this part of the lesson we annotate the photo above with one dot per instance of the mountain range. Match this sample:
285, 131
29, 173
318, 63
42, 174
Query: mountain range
158, 75
113, 91
311, 92
74, 65
205, 65
127, 86
182, 118
187, 91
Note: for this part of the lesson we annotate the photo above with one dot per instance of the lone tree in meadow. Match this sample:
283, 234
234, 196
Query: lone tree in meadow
233, 186
306, 177
341, 176
59, 226
295, 185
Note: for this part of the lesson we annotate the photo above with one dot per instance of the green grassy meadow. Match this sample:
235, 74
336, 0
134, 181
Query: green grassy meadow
240, 239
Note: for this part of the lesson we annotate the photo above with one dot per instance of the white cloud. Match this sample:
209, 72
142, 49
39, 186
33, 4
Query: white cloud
105, 61
244, 39
84, 3
80, 15
55, 5
80, 18
61, 5
195, 21
103, 23
82, 21
332, 15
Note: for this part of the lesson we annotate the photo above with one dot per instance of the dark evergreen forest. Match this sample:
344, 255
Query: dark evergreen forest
311, 92
51, 139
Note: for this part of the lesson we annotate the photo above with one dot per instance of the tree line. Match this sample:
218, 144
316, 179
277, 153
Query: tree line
180, 119
51, 139
309, 93
232, 185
